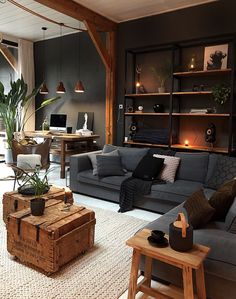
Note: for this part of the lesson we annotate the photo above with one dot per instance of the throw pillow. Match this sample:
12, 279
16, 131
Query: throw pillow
198, 209
224, 170
222, 199
109, 165
170, 167
148, 168
230, 220
93, 159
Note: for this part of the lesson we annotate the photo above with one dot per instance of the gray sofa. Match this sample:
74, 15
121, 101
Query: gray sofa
163, 197
194, 171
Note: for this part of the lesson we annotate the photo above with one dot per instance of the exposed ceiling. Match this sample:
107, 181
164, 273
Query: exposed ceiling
16, 22
124, 10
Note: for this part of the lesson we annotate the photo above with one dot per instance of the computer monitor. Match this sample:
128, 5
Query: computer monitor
58, 122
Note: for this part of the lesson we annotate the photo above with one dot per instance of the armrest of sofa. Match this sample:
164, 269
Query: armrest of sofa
81, 162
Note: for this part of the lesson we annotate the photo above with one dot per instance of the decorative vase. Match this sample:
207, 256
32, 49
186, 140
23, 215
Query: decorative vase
161, 89
37, 206
158, 108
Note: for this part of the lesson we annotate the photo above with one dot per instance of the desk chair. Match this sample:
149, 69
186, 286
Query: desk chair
27, 157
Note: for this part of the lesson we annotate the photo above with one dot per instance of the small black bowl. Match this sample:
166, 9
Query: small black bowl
157, 235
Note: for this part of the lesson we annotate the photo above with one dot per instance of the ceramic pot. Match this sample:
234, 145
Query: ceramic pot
37, 206
161, 89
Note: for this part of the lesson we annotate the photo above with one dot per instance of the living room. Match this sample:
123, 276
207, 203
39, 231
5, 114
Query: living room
117, 56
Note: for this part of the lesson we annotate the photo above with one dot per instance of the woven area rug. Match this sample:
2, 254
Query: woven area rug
102, 273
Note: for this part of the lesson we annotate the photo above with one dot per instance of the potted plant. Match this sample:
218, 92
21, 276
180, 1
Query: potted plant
35, 184
162, 74
15, 105
221, 93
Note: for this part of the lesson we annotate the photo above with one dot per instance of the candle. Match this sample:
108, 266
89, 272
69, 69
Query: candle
137, 86
186, 142
68, 194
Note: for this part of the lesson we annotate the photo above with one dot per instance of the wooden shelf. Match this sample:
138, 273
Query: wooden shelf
147, 114
180, 93
202, 114
201, 148
202, 73
147, 94
145, 144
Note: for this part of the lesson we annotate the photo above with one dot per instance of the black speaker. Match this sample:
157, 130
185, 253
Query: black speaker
210, 133
132, 129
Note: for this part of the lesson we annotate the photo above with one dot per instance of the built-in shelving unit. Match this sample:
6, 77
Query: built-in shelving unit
186, 91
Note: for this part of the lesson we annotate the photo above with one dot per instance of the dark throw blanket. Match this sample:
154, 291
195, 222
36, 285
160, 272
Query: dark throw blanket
132, 187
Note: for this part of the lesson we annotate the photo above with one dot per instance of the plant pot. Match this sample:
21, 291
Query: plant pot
8, 155
161, 89
37, 206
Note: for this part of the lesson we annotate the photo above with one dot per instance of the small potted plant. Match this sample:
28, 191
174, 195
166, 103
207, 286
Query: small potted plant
37, 185
221, 93
162, 74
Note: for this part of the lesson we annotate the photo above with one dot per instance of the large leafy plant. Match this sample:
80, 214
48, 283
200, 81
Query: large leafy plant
14, 106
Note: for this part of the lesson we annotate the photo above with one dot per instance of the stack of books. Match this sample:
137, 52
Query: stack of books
202, 111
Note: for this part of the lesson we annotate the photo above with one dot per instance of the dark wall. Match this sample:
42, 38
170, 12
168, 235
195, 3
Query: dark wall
92, 74
216, 18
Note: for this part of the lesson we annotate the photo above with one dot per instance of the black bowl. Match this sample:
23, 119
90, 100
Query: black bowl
157, 235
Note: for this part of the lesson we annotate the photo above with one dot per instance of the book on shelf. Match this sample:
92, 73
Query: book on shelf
198, 111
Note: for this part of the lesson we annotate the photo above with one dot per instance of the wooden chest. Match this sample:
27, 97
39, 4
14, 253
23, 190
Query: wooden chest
14, 201
47, 242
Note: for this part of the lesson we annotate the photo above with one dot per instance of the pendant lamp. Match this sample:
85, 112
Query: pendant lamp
44, 89
60, 87
79, 87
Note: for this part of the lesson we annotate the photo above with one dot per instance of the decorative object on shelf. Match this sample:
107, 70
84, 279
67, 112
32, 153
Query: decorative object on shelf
45, 124
221, 93
130, 109
210, 133
200, 111
201, 87
215, 57
162, 74
181, 234
211, 110
186, 142
140, 109
192, 64
139, 88
158, 239
158, 108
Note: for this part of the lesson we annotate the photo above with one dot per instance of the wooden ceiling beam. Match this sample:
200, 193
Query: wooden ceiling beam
94, 35
9, 57
80, 12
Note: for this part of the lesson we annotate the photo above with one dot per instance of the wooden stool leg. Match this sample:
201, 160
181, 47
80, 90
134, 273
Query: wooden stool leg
188, 283
200, 281
134, 274
148, 270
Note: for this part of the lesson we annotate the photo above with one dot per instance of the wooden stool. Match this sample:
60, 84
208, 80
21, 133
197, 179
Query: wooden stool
187, 261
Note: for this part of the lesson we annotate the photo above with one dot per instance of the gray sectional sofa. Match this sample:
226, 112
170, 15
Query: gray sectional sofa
194, 171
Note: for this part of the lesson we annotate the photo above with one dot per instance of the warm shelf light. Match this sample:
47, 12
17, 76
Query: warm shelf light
186, 143
138, 84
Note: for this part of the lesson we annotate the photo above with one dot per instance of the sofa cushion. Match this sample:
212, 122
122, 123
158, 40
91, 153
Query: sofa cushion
224, 170
93, 159
222, 199
170, 167
198, 209
130, 157
176, 192
213, 158
148, 168
230, 220
192, 161
109, 166
111, 182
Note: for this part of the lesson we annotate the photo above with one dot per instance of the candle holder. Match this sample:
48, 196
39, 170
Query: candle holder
186, 143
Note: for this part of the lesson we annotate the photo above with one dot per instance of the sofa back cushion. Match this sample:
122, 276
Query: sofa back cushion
130, 157
193, 166
211, 165
224, 170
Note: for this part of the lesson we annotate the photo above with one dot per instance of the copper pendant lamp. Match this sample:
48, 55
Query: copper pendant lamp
60, 87
79, 87
44, 89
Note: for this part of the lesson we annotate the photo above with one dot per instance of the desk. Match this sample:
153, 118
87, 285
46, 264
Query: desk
64, 140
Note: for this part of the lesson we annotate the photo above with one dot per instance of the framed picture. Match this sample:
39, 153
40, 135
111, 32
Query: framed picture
85, 121
215, 57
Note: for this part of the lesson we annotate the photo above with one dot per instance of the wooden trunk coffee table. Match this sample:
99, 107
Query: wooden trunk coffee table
49, 241
187, 261
14, 201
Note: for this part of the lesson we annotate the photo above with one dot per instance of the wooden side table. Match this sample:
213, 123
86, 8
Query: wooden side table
187, 261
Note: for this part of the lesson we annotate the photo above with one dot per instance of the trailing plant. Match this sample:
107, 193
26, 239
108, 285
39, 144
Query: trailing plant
162, 73
221, 93
14, 106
